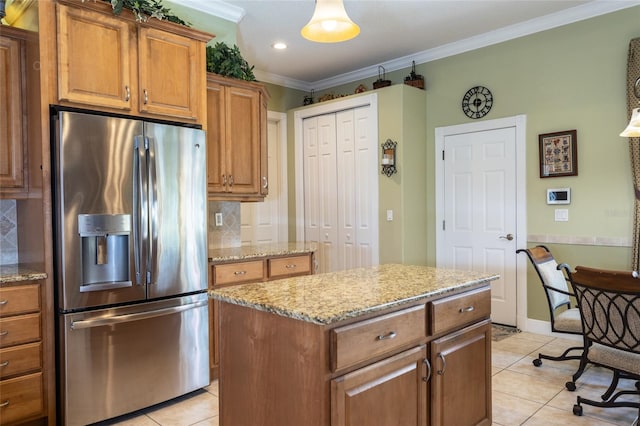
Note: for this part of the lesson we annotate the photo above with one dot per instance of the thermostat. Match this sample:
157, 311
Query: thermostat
559, 196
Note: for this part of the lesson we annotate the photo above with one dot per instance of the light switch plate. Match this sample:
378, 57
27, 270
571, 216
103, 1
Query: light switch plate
389, 215
218, 219
562, 215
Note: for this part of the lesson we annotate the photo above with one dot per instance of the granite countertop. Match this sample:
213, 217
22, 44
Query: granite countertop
336, 296
21, 272
259, 250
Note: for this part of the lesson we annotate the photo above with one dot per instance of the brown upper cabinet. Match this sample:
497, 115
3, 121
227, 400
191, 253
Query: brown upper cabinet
20, 157
151, 68
236, 139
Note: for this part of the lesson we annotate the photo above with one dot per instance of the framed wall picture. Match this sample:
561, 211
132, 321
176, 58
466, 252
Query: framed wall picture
558, 154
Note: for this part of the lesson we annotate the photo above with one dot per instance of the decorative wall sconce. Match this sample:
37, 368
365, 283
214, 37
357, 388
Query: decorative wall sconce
389, 157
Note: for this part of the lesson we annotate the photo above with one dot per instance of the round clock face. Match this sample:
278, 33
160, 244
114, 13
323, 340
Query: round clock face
477, 102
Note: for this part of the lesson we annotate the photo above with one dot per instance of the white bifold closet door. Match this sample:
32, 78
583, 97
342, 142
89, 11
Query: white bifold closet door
340, 181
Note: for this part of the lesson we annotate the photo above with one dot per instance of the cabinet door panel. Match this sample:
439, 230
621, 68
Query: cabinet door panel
461, 379
391, 392
169, 75
11, 136
216, 128
243, 140
94, 65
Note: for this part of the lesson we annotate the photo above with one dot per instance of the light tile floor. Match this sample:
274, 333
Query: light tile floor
522, 393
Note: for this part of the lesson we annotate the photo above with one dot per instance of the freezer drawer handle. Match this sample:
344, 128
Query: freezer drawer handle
99, 322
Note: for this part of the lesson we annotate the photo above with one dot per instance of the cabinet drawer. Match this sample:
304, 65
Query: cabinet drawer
287, 266
20, 397
241, 272
20, 359
455, 311
19, 299
367, 339
19, 329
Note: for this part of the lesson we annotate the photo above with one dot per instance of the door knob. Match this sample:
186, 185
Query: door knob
507, 237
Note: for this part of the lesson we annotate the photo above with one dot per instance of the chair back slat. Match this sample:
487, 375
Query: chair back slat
609, 303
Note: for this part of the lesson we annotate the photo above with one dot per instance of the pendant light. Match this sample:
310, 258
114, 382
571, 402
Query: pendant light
633, 129
330, 23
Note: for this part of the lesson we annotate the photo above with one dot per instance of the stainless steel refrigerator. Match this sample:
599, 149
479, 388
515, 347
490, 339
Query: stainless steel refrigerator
130, 263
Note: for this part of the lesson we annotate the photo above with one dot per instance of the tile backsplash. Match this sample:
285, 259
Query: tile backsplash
227, 235
8, 232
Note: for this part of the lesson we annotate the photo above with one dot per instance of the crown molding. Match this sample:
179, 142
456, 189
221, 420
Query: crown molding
554, 20
220, 9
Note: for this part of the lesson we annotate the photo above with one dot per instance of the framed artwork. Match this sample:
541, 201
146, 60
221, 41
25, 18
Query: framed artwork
558, 154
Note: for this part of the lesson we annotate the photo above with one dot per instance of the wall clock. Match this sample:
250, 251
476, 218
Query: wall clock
477, 102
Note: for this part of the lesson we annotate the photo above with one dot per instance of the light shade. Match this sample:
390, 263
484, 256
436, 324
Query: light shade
633, 129
330, 23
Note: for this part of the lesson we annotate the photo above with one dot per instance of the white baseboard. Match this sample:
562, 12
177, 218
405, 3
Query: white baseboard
544, 328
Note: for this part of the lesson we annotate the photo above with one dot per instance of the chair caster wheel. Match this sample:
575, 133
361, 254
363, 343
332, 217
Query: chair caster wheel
537, 362
571, 386
577, 410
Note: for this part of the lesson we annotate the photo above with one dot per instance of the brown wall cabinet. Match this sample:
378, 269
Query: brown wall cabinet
113, 62
13, 121
425, 364
236, 139
21, 377
258, 270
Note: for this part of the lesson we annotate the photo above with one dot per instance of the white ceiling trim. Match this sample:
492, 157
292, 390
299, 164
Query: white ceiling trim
558, 19
216, 8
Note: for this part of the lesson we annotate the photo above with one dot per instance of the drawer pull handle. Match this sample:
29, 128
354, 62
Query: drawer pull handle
467, 309
3, 302
444, 364
3, 333
290, 266
240, 273
4, 364
387, 336
4, 403
428, 364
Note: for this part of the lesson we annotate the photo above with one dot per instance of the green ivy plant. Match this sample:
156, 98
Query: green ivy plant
228, 61
145, 9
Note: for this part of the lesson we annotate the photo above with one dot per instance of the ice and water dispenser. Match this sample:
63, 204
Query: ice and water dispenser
105, 251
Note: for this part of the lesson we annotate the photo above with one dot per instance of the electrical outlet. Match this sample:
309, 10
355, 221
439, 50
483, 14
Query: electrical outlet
218, 219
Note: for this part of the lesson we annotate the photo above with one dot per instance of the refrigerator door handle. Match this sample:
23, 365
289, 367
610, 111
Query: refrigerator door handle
153, 211
140, 224
117, 319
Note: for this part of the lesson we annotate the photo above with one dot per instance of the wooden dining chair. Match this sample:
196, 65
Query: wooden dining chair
609, 304
564, 318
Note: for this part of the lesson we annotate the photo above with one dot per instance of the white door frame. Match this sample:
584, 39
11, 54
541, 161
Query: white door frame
326, 108
280, 119
519, 122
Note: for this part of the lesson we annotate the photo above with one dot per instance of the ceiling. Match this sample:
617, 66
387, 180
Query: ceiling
392, 33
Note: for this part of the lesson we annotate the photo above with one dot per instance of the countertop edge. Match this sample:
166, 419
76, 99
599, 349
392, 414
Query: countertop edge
21, 272
465, 286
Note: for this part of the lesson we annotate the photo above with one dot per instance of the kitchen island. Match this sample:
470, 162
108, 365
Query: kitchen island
386, 345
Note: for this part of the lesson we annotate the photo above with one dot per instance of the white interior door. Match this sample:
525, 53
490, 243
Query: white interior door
267, 221
478, 195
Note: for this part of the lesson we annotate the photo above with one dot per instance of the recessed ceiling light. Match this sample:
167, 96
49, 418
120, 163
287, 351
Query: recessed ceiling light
279, 45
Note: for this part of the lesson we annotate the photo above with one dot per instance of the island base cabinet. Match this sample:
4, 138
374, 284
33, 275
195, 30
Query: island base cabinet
390, 392
461, 380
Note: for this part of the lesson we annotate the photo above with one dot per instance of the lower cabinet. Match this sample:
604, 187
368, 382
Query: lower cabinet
425, 364
389, 392
21, 379
262, 269
461, 379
